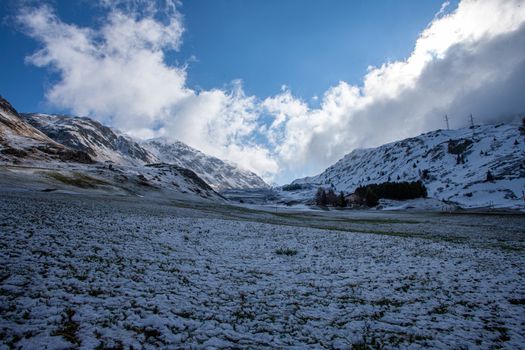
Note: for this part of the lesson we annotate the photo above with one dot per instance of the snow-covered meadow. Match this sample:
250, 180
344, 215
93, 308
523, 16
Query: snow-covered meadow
111, 273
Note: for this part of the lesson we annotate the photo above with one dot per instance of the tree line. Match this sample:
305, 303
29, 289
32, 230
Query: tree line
329, 198
371, 193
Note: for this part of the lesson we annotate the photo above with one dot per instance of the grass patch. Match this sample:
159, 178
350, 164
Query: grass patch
388, 302
76, 179
440, 310
517, 301
69, 328
286, 251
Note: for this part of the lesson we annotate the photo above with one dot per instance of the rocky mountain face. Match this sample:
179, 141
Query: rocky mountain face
84, 134
105, 144
19, 140
483, 166
218, 173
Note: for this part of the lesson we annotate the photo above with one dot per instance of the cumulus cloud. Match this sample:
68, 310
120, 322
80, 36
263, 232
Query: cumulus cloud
115, 72
469, 60
118, 74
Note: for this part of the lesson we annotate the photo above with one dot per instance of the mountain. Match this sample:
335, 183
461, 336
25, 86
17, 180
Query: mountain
454, 165
20, 140
84, 134
105, 144
50, 153
218, 173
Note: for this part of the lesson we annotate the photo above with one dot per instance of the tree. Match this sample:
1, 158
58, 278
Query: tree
371, 199
320, 197
331, 197
341, 200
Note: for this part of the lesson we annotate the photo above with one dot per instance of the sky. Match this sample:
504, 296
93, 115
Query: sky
282, 88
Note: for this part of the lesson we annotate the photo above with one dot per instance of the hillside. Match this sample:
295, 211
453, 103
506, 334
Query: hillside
218, 173
105, 144
100, 142
452, 164
21, 141
49, 153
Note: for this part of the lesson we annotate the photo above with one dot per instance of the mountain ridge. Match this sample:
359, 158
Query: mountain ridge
452, 164
105, 144
218, 173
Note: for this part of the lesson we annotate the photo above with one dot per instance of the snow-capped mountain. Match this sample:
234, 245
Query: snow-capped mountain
19, 140
483, 166
105, 144
218, 173
60, 153
84, 134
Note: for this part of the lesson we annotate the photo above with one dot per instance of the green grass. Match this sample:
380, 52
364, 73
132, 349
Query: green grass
76, 179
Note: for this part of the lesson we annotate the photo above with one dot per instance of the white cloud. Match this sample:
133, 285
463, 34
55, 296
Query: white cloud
117, 71
118, 74
470, 60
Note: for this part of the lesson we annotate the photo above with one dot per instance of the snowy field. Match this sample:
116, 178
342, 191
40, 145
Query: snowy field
95, 272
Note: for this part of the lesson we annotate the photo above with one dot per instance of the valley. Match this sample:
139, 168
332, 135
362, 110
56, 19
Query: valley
106, 271
107, 242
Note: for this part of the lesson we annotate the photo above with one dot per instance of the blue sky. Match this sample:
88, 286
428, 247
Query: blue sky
283, 88
305, 44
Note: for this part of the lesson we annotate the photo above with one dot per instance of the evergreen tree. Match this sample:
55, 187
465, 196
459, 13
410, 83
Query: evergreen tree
342, 200
331, 197
320, 197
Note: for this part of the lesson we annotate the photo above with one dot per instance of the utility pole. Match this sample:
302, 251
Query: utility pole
471, 121
446, 121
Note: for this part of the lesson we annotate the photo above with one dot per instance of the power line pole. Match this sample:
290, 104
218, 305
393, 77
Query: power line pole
446, 121
471, 121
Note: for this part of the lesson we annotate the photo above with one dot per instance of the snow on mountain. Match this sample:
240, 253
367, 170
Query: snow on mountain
19, 140
105, 144
454, 165
218, 173
61, 153
84, 134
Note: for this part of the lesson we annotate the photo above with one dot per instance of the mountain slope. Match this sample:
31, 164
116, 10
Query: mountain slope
85, 134
55, 158
19, 140
218, 173
453, 165
104, 144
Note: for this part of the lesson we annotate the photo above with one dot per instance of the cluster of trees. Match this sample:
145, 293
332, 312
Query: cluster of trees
292, 187
370, 194
325, 198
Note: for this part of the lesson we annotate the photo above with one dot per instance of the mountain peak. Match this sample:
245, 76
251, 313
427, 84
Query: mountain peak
6, 106
218, 173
